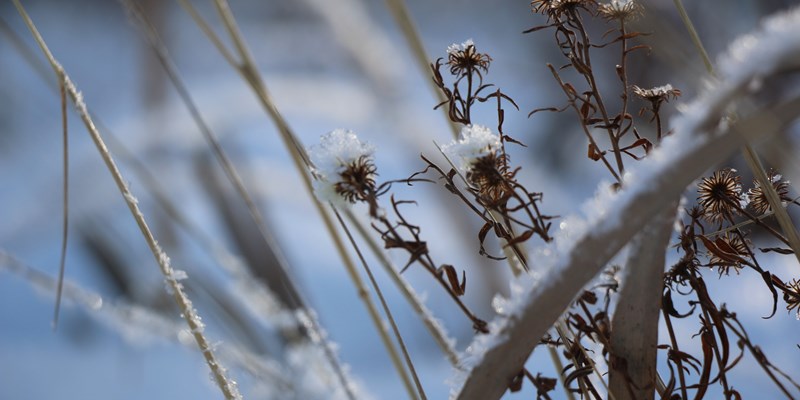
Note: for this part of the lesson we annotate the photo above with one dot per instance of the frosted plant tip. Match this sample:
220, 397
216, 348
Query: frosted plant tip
475, 142
344, 168
622, 10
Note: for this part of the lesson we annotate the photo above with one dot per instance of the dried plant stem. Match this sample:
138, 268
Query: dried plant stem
65, 210
554, 357
219, 153
247, 69
750, 156
385, 306
407, 291
634, 326
568, 336
401, 15
774, 200
227, 386
698, 44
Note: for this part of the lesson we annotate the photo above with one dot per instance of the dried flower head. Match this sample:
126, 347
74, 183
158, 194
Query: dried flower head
657, 94
464, 59
719, 193
344, 168
730, 249
622, 10
475, 141
758, 199
554, 9
792, 297
478, 155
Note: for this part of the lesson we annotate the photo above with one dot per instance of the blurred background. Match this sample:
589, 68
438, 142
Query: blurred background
328, 64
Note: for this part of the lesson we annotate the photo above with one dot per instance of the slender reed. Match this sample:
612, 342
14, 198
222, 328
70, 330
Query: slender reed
249, 72
225, 384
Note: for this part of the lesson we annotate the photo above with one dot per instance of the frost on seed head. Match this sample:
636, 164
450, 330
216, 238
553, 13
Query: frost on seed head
456, 48
475, 142
335, 153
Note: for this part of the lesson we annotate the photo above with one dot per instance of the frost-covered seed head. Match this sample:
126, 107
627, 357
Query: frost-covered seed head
659, 93
719, 193
555, 9
622, 10
344, 168
475, 142
757, 198
456, 48
478, 155
464, 59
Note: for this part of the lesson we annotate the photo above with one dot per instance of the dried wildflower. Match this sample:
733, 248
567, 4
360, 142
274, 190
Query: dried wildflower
464, 59
719, 193
344, 168
622, 10
555, 8
476, 141
758, 199
478, 154
657, 95
493, 179
792, 297
728, 253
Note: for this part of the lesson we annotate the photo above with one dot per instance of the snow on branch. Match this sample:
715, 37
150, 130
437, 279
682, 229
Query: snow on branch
703, 137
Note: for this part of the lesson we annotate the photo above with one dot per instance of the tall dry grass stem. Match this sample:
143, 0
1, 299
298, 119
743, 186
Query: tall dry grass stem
249, 72
65, 199
225, 384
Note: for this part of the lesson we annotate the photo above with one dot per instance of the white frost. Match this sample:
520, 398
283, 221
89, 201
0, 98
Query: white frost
475, 141
455, 47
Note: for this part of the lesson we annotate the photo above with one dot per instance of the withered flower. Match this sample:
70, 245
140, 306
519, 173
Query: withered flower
554, 9
478, 154
758, 199
657, 95
728, 252
719, 193
792, 297
491, 176
344, 168
464, 59
622, 10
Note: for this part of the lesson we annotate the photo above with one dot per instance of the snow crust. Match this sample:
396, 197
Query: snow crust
474, 142
456, 48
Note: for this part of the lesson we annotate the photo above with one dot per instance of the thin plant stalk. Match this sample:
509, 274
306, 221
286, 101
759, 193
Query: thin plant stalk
65, 211
247, 69
385, 306
563, 330
408, 292
403, 19
225, 162
226, 385
556, 359
750, 156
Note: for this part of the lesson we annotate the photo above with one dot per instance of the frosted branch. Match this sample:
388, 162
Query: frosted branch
702, 139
